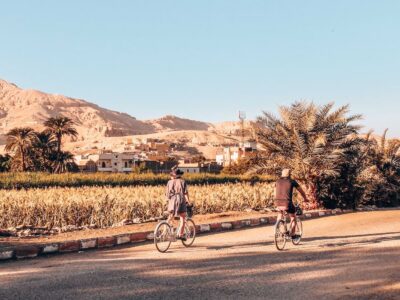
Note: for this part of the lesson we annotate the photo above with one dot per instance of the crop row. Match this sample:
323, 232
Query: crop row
45, 180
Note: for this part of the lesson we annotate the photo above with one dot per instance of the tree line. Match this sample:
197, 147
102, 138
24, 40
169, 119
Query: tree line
327, 154
40, 151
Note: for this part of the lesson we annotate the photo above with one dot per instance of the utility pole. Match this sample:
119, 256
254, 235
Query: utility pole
242, 118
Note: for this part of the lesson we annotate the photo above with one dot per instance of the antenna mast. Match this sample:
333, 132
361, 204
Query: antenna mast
242, 117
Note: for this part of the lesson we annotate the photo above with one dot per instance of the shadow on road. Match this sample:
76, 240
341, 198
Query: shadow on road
348, 240
239, 245
330, 274
348, 236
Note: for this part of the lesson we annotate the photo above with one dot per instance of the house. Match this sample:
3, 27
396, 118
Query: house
191, 168
159, 147
117, 162
156, 167
87, 163
231, 155
197, 168
211, 167
155, 147
126, 162
156, 156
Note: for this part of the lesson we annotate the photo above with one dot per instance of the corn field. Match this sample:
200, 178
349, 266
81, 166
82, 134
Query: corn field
107, 206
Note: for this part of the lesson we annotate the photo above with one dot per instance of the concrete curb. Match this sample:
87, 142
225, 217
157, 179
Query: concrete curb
32, 251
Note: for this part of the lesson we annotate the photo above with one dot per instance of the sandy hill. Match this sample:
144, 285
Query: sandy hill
174, 123
19, 108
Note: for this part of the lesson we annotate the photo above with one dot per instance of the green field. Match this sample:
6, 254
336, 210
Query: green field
45, 180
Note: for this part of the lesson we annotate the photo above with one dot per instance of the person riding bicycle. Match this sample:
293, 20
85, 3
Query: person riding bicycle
283, 198
178, 199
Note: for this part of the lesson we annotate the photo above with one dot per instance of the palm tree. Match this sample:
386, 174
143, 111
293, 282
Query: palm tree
44, 146
311, 140
382, 176
346, 190
20, 140
60, 126
62, 162
5, 161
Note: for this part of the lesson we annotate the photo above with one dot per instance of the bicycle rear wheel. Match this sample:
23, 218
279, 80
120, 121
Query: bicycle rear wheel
298, 232
280, 235
162, 236
190, 233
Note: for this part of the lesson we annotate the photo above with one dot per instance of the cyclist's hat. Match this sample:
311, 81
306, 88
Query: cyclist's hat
176, 173
286, 173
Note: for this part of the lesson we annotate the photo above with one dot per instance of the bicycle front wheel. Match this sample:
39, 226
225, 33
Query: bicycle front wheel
190, 233
280, 235
298, 232
162, 236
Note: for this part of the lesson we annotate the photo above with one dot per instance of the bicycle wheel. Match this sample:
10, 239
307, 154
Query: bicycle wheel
298, 231
280, 235
162, 236
190, 233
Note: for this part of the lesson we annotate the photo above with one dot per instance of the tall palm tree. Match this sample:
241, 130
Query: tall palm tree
62, 162
59, 127
310, 140
19, 141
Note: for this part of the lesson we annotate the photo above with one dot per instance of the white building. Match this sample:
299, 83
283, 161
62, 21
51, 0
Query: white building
231, 155
117, 162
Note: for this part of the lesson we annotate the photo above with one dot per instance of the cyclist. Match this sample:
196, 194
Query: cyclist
178, 199
283, 198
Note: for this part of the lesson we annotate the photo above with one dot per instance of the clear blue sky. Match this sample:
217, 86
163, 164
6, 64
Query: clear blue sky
206, 60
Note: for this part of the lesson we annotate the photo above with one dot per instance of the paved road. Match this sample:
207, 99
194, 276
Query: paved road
342, 257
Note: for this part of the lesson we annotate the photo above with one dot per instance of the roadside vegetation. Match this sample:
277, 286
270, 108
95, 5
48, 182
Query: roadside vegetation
39, 151
29, 180
323, 147
105, 206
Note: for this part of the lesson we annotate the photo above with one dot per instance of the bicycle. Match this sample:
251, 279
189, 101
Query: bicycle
165, 233
282, 234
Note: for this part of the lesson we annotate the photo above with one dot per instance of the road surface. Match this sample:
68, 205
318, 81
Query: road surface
341, 257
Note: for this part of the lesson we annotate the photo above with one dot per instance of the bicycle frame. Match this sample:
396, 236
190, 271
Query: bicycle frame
171, 220
283, 216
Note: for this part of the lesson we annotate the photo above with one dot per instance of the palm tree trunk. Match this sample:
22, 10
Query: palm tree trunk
59, 144
22, 158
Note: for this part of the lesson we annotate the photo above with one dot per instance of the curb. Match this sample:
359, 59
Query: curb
32, 251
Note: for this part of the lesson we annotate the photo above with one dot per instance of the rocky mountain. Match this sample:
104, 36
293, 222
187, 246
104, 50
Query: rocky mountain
20, 108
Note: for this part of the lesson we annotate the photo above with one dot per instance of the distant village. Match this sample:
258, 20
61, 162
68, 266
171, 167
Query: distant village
157, 156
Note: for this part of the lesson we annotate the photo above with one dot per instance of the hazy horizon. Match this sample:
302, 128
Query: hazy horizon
206, 61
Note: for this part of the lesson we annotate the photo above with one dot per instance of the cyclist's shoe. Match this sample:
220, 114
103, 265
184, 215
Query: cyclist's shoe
182, 238
295, 237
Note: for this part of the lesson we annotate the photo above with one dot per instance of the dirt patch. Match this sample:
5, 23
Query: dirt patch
95, 233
